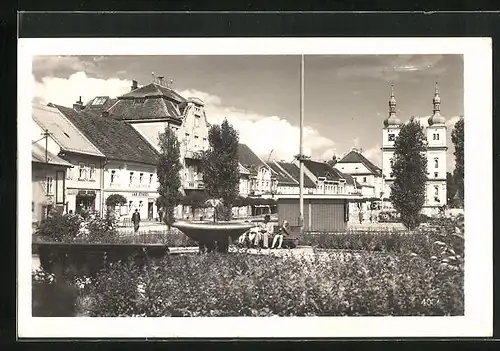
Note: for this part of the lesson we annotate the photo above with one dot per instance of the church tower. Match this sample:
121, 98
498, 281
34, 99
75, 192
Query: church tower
390, 131
436, 156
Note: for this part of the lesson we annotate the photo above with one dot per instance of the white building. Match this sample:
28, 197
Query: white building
82, 181
435, 153
367, 175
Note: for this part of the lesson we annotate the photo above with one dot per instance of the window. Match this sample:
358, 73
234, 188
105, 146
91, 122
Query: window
391, 137
131, 178
435, 136
82, 172
69, 173
141, 175
99, 101
139, 100
130, 203
150, 179
436, 190
186, 138
196, 141
197, 121
113, 176
92, 171
436, 163
364, 179
435, 174
32, 206
50, 185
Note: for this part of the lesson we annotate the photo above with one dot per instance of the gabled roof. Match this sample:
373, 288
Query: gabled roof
323, 169
97, 105
281, 176
38, 156
116, 139
294, 171
356, 157
248, 158
63, 131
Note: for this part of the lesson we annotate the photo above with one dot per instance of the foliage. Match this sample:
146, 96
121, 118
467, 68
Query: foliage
195, 199
51, 297
326, 284
457, 137
451, 189
168, 170
60, 228
409, 171
220, 165
114, 200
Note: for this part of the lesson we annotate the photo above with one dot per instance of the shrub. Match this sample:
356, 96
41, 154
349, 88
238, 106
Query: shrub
60, 228
328, 284
114, 200
52, 297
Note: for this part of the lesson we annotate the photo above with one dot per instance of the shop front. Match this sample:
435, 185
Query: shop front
82, 200
144, 202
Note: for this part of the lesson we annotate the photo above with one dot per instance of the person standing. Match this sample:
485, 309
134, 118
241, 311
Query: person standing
136, 219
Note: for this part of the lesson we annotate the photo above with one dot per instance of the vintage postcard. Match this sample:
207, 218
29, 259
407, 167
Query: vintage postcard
255, 187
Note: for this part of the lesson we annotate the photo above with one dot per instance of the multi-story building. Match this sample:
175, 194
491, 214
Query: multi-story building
262, 179
436, 153
129, 165
152, 108
82, 181
366, 174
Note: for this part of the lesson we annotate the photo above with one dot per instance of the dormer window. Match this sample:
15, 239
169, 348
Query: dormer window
98, 101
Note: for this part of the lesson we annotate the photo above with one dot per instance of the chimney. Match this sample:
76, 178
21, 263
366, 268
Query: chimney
134, 85
78, 105
160, 80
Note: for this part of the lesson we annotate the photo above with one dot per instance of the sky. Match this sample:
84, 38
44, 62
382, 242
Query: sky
345, 96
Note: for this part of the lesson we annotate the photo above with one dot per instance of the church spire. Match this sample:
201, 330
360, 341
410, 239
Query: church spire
392, 119
436, 117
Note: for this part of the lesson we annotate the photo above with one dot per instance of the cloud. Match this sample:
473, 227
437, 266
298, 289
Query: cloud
450, 122
374, 154
265, 133
391, 67
46, 66
65, 91
355, 142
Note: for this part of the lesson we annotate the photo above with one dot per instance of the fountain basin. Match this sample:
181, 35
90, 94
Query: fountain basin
205, 232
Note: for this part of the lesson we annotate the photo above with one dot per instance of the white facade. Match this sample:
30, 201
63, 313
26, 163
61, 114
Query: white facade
436, 153
263, 183
138, 183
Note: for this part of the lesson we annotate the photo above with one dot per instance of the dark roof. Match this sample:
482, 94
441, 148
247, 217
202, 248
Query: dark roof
97, 105
281, 176
115, 139
349, 179
323, 169
154, 89
151, 101
248, 158
294, 171
356, 157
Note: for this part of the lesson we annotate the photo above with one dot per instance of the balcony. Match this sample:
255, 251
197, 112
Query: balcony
193, 184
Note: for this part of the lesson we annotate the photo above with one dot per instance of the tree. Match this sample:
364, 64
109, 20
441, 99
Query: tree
457, 137
220, 166
195, 199
409, 171
451, 188
114, 200
168, 169
333, 161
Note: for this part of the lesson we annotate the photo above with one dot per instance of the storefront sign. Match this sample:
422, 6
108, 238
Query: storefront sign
72, 192
86, 192
140, 194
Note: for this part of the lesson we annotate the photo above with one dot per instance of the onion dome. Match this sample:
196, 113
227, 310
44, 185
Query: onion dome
436, 117
392, 120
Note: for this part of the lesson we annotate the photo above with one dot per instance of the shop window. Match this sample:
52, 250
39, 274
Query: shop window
92, 171
82, 171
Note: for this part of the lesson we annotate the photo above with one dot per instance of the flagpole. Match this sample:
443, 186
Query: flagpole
301, 171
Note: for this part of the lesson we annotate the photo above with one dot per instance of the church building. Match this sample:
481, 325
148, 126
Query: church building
435, 132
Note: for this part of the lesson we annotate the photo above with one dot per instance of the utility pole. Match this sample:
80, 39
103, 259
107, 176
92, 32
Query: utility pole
46, 135
301, 156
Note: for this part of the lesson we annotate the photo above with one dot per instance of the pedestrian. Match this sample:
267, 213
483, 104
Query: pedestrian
136, 219
360, 216
284, 230
267, 231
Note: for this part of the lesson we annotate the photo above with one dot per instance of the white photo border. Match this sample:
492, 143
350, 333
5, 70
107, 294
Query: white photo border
478, 318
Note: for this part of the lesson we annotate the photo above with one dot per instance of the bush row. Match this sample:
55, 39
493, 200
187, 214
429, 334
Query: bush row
327, 284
